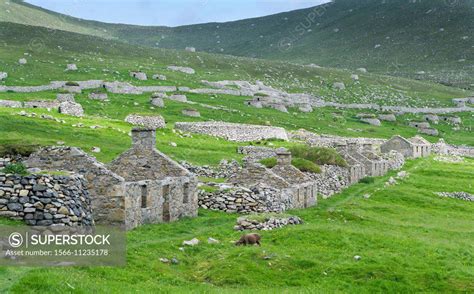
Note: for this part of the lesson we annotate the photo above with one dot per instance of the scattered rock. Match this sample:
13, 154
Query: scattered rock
457, 195
71, 67
212, 241
192, 242
339, 86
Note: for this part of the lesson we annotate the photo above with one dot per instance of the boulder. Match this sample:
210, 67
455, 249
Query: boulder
371, 121
71, 67
355, 77
190, 49
22, 61
362, 70
158, 102
419, 124
3, 76
192, 242
339, 86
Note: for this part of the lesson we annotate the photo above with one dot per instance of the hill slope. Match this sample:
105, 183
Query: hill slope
424, 40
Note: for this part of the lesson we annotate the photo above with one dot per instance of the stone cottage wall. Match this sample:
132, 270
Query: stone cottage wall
242, 200
44, 200
106, 189
148, 202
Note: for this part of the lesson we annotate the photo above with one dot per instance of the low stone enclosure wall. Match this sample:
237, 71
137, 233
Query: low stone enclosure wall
257, 199
45, 200
263, 95
233, 131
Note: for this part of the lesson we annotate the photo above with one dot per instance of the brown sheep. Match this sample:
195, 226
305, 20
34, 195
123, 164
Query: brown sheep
249, 239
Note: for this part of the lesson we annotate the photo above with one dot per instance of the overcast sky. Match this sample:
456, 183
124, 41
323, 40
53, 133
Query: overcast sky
171, 12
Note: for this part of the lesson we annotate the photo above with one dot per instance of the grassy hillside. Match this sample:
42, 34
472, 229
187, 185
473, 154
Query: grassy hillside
409, 240
429, 40
94, 55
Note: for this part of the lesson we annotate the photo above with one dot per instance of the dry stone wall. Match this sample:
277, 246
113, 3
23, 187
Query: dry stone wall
232, 131
45, 200
244, 200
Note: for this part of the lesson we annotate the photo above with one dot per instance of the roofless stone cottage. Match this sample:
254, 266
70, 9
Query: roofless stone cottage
141, 186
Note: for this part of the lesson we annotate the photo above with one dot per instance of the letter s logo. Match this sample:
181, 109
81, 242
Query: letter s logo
15, 240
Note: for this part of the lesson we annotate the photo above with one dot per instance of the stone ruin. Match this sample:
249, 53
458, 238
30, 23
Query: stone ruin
277, 189
71, 108
461, 102
139, 75
233, 131
154, 122
424, 127
410, 148
141, 186
159, 77
65, 98
363, 160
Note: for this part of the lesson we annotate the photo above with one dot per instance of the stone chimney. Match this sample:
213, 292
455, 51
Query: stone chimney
367, 147
283, 156
341, 147
144, 138
352, 147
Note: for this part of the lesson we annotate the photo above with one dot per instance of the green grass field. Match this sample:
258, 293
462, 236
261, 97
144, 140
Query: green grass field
409, 240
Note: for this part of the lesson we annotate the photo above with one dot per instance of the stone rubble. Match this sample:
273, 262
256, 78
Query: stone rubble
457, 195
268, 224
